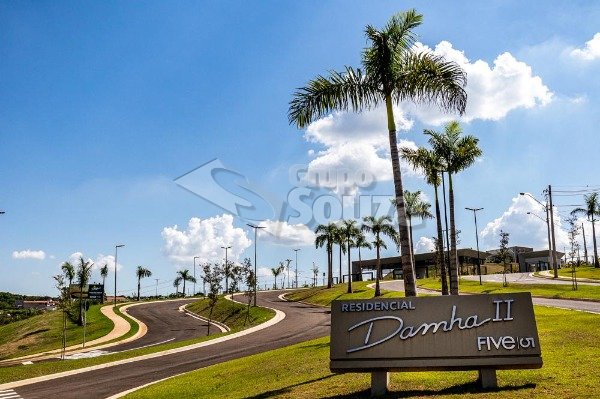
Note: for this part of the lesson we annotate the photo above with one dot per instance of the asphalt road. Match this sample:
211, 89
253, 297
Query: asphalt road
165, 324
585, 306
302, 322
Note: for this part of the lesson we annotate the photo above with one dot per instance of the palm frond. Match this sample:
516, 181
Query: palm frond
428, 78
347, 91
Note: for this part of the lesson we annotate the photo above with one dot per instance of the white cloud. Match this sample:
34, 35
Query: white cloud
204, 238
590, 52
283, 233
524, 229
29, 254
424, 245
492, 91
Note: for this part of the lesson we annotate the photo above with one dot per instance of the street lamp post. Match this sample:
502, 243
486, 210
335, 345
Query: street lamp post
296, 251
116, 252
226, 271
195, 257
255, 275
477, 240
547, 220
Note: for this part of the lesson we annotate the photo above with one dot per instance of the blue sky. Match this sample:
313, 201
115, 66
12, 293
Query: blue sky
104, 104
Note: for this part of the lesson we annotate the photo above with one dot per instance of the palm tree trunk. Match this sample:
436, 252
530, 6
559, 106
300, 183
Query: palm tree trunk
349, 270
378, 272
453, 263
340, 279
405, 252
440, 241
184, 288
359, 264
596, 263
138, 296
412, 246
329, 266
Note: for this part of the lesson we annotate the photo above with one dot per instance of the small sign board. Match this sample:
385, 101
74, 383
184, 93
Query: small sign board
434, 333
78, 292
96, 292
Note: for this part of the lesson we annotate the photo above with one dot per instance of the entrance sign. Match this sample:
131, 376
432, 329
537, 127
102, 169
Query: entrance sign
485, 332
89, 291
96, 292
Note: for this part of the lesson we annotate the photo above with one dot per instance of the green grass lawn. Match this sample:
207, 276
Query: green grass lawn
569, 342
228, 312
582, 272
44, 332
559, 291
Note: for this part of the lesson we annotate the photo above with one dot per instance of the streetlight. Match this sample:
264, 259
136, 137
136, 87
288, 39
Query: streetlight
255, 276
296, 251
116, 248
195, 257
226, 271
477, 240
547, 220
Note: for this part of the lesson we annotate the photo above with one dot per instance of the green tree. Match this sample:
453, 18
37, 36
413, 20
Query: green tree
378, 227
213, 275
429, 162
69, 271
277, 271
361, 242
104, 274
591, 210
141, 272
456, 153
415, 207
176, 284
349, 233
325, 236
504, 254
185, 276
340, 240
393, 72
83, 272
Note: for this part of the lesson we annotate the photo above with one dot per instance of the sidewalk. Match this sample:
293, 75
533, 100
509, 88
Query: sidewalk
549, 274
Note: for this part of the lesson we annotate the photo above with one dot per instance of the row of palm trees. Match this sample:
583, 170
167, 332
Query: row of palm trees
591, 211
183, 276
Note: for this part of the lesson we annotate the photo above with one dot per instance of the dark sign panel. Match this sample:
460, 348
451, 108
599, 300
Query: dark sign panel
434, 333
96, 291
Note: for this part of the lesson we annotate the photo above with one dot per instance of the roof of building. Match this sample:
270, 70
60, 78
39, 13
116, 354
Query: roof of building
396, 261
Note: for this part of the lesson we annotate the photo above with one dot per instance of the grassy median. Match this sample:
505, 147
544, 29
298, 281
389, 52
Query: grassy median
43, 333
569, 349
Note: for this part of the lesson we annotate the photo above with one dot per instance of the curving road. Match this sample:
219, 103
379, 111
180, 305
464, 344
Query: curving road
302, 322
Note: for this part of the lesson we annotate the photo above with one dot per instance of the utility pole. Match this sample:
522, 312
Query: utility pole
551, 210
255, 276
156, 294
296, 251
195, 257
585, 255
116, 248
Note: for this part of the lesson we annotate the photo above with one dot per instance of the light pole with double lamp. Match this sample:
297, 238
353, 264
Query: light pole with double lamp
255, 276
116, 252
547, 220
296, 251
477, 240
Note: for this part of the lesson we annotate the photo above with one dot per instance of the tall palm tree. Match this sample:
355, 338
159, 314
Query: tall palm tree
140, 273
69, 271
104, 274
83, 272
325, 236
378, 227
457, 153
277, 271
392, 72
349, 232
360, 241
340, 240
429, 162
591, 210
185, 276
176, 284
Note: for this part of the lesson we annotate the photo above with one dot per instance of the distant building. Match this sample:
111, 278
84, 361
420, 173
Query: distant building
530, 260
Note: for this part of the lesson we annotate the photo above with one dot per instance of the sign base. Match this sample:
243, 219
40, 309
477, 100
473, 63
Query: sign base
380, 382
487, 379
